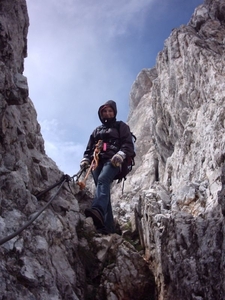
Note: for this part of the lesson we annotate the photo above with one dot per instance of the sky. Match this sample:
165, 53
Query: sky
82, 53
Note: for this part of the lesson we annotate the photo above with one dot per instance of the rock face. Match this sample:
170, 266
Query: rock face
177, 188
173, 202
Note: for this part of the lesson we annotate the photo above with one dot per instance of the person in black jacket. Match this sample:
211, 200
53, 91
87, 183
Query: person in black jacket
117, 144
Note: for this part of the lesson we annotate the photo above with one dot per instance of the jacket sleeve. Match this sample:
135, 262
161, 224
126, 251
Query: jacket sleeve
126, 142
88, 153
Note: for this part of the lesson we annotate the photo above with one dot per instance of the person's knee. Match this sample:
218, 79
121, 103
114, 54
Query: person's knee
104, 179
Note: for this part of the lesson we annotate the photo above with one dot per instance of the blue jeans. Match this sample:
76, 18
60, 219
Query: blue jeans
103, 176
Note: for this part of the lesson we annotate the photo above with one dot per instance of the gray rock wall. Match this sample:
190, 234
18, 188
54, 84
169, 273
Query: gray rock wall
176, 191
29, 267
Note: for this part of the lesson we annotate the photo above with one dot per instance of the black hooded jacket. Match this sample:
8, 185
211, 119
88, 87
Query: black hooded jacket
115, 135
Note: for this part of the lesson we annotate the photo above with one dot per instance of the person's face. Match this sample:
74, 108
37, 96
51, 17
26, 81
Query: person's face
107, 113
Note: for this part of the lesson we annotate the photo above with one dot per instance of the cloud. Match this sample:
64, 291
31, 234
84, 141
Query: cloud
111, 16
74, 62
67, 154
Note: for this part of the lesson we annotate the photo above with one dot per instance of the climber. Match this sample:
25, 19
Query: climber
116, 145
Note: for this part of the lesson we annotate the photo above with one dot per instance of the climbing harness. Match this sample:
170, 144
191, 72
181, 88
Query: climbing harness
65, 178
93, 165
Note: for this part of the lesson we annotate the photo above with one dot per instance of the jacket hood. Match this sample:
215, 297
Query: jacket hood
112, 104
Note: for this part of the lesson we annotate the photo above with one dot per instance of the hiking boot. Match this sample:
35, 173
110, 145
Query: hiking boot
95, 215
103, 231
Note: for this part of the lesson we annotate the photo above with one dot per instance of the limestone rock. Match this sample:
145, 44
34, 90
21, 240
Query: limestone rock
176, 191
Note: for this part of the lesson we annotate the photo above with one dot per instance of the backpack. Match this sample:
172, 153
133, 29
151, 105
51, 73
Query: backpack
128, 162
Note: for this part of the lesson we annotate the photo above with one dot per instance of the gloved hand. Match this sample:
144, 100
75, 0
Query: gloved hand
85, 163
118, 158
